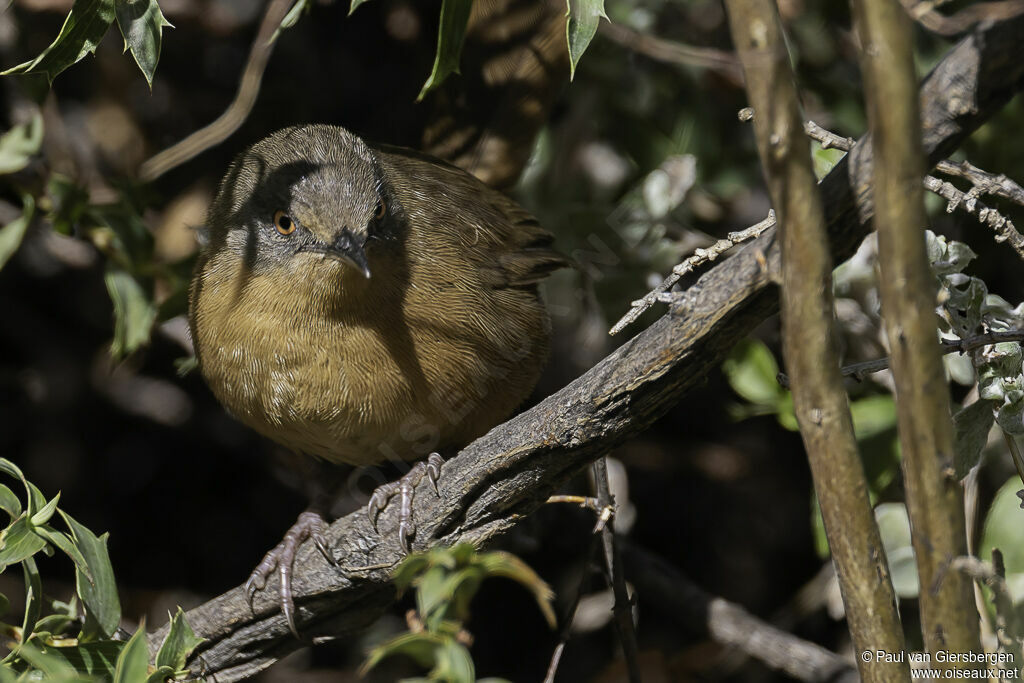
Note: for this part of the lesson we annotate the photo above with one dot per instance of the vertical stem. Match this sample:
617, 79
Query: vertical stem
934, 497
810, 352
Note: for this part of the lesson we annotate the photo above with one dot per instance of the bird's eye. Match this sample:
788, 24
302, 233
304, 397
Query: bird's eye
284, 223
381, 210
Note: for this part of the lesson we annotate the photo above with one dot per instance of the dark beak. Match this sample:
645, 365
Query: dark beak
349, 249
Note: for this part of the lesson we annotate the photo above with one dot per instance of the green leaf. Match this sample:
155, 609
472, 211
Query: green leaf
453, 663
752, 373
45, 512
55, 668
1003, 526
133, 662
298, 9
134, 312
9, 502
66, 545
161, 674
19, 542
873, 415
584, 16
178, 644
33, 596
894, 527
142, 25
84, 27
972, 424
451, 33
94, 659
13, 233
421, 647
99, 596
430, 592
19, 144
354, 5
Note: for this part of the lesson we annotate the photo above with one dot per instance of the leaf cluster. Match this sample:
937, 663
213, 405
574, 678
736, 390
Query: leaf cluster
445, 581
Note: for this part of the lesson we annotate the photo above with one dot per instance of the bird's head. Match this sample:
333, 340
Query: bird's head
304, 197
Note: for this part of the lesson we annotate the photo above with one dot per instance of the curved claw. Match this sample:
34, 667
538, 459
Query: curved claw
309, 525
405, 488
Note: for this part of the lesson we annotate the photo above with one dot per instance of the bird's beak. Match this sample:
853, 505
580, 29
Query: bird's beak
349, 249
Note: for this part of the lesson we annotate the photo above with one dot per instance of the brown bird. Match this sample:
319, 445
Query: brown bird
363, 303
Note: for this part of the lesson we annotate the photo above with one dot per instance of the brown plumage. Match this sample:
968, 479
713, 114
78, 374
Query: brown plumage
362, 303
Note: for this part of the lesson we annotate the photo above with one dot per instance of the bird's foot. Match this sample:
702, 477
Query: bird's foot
406, 488
309, 525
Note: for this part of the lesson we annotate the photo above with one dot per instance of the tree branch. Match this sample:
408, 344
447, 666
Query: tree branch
509, 472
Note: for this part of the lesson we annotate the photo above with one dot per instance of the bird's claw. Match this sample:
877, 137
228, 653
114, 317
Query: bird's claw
309, 525
406, 489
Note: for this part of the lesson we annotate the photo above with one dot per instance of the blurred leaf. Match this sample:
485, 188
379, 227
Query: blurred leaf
504, 564
873, 415
430, 593
133, 662
972, 424
55, 668
69, 203
584, 16
84, 27
354, 5
9, 502
752, 371
1003, 526
99, 596
33, 596
292, 17
13, 233
178, 644
421, 647
453, 663
454, 18
894, 527
142, 26
824, 159
408, 570
19, 542
134, 312
19, 144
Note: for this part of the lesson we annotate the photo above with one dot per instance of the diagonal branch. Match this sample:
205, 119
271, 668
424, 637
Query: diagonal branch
505, 475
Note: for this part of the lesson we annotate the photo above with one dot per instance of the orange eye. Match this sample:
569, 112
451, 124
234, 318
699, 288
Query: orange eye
381, 210
284, 223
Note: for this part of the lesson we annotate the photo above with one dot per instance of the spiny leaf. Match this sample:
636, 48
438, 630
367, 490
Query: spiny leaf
178, 644
142, 26
451, 33
584, 16
84, 27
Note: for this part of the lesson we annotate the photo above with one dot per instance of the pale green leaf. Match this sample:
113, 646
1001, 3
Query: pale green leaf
134, 312
1003, 526
972, 424
19, 144
581, 27
894, 527
451, 33
133, 662
84, 27
33, 596
499, 563
142, 25
45, 512
454, 663
13, 233
355, 5
178, 644
19, 542
752, 373
66, 545
292, 17
421, 647
9, 502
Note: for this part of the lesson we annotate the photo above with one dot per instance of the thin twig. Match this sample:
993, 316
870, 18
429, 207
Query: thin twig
860, 370
671, 52
698, 258
604, 512
570, 613
960, 22
236, 113
623, 609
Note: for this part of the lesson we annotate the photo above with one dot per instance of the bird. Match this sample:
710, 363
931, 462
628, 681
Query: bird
358, 303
